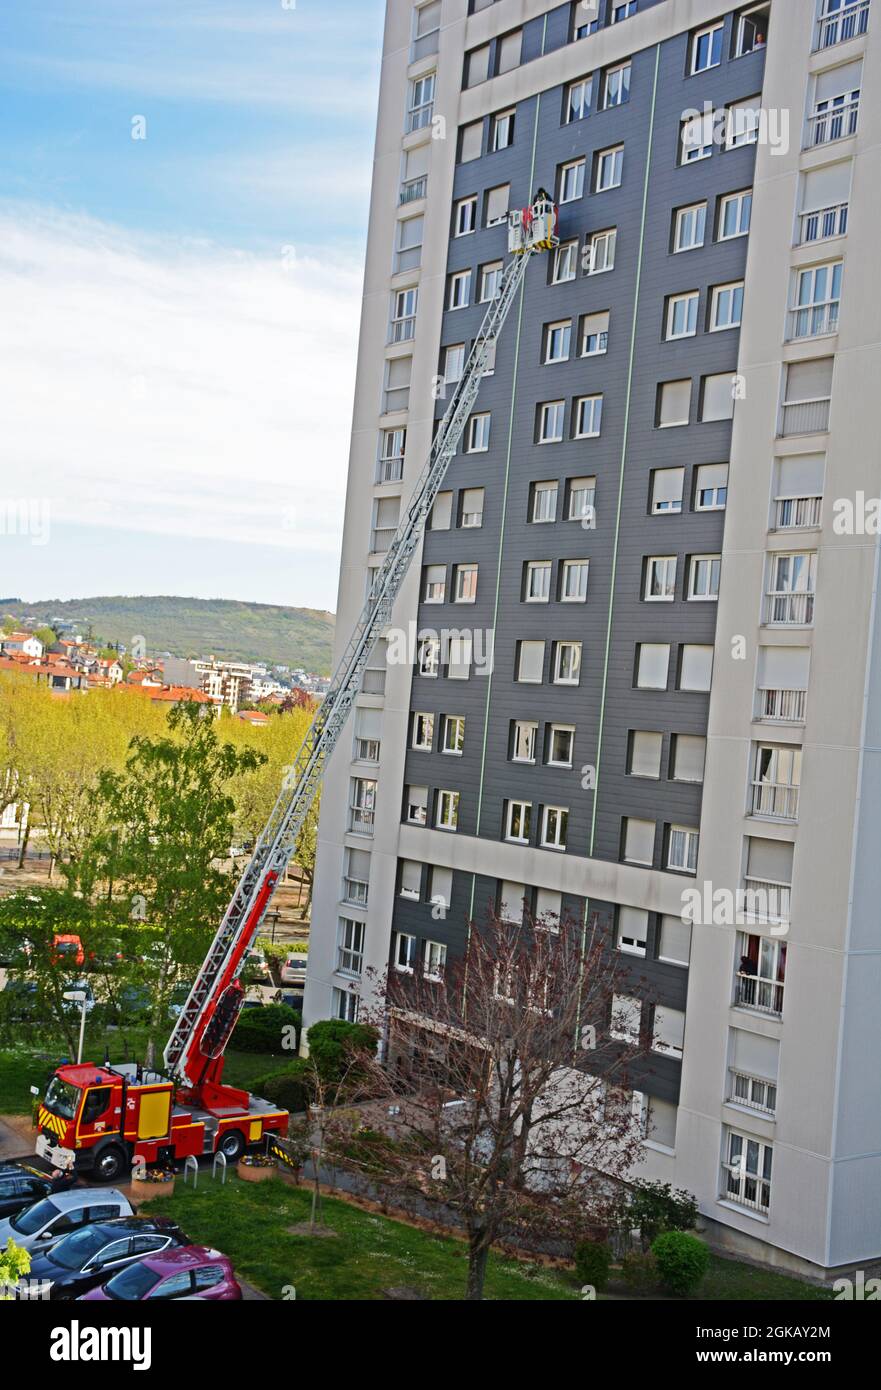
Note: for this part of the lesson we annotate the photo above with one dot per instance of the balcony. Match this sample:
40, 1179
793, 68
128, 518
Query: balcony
766, 902
403, 330
781, 706
823, 224
775, 800
765, 996
381, 538
420, 116
835, 123
752, 1092
355, 891
813, 320
413, 189
797, 513
846, 23
806, 417
789, 610
390, 470
361, 820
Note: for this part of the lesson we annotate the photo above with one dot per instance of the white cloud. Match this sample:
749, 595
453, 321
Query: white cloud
177, 388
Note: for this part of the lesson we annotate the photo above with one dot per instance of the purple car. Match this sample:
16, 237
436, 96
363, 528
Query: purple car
191, 1271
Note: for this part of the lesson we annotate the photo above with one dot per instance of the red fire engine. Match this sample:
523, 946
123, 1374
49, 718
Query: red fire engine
98, 1118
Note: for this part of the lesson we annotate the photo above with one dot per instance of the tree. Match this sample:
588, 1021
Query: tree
47, 636
512, 1104
14, 1263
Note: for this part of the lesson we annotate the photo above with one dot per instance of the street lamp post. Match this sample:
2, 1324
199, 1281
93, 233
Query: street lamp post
78, 996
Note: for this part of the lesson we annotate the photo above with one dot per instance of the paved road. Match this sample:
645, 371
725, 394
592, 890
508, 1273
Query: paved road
16, 1138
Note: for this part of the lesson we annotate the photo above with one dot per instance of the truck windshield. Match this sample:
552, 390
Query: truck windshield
62, 1098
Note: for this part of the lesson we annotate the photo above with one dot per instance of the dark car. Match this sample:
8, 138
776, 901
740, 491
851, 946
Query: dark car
92, 1255
21, 1185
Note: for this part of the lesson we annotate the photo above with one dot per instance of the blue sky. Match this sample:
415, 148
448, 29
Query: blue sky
181, 311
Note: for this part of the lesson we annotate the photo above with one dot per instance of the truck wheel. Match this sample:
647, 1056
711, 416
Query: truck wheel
109, 1163
232, 1145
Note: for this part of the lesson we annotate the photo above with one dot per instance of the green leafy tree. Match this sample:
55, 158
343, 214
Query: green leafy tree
14, 1262
46, 635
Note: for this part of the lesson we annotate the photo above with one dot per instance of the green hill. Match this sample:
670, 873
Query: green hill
191, 627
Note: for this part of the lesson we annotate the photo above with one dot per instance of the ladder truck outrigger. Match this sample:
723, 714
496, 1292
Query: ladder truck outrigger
97, 1119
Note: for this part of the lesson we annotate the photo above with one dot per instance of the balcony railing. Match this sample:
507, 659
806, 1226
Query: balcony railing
766, 901
420, 117
367, 750
806, 417
414, 189
837, 123
781, 706
814, 320
403, 330
381, 538
777, 800
789, 610
390, 470
355, 891
746, 1189
349, 962
824, 223
844, 24
765, 996
797, 513
361, 821
753, 1092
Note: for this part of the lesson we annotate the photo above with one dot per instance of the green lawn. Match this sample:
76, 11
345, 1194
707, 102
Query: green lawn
730, 1280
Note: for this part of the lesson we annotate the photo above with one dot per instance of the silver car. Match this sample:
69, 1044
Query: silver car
39, 1226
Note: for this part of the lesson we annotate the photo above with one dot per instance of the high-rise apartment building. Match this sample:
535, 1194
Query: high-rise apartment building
662, 513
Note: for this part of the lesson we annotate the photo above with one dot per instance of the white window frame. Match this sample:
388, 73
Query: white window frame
521, 810
709, 566
686, 838
742, 202
565, 258
690, 299
541, 514
460, 285
607, 237
501, 134
479, 430
434, 960
580, 568
721, 295
620, 92
423, 722
490, 281
663, 569
572, 175
697, 212
542, 593
573, 661
464, 579
554, 827
713, 32
611, 161
583, 90
447, 813
457, 723
466, 211
569, 731
528, 729
551, 411
592, 406
562, 331
408, 942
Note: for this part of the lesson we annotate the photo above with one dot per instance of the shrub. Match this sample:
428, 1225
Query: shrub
682, 1261
639, 1271
262, 1030
289, 1089
654, 1207
331, 1043
592, 1263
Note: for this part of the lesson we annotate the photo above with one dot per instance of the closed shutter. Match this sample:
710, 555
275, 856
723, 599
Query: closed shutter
548, 906
368, 723
667, 485
497, 202
675, 403
755, 1055
358, 864
690, 754
639, 841
477, 66
654, 662
826, 188
784, 668
411, 878
531, 662
675, 941
769, 860
470, 142
509, 51
808, 381
669, 1032
712, 475
645, 754
511, 901
417, 161
801, 475
441, 885
718, 397
633, 925
696, 671
442, 512
839, 81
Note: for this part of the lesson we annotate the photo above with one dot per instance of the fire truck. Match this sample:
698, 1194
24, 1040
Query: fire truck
98, 1119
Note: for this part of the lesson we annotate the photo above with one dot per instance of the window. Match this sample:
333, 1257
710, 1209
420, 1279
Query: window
477, 438
581, 26
682, 846
571, 181
751, 30
818, 300
682, 315
423, 732
735, 212
429, 656
752, 1092
466, 583
434, 959
511, 902
471, 501
501, 131
470, 142
776, 781
447, 816
496, 204
435, 585
675, 941
631, 931
624, 11
508, 49
396, 395
403, 322
711, 487
582, 500
706, 48
420, 108
742, 124
703, 577
807, 393
726, 306
600, 251
835, 117
416, 801
518, 818
537, 588
523, 736
573, 581
674, 404
626, 1020
362, 805
594, 334
345, 1005
561, 738
440, 886
392, 444
644, 753
578, 98
747, 1177
696, 138
548, 909
554, 827
588, 417
761, 973
403, 951
696, 667
668, 1034
558, 340
660, 579
609, 168
841, 20
459, 658
616, 86
477, 65
453, 737
550, 423
350, 946
544, 501
689, 753
667, 486
563, 266
465, 217
454, 363
460, 290
490, 281
824, 202
530, 662
717, 396
652, 665
426, 30
567, 663
690, 227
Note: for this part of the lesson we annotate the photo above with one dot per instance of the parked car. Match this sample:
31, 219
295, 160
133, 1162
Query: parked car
95, 1253
53, 1217
293, 972
192, 1273
22, 1185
